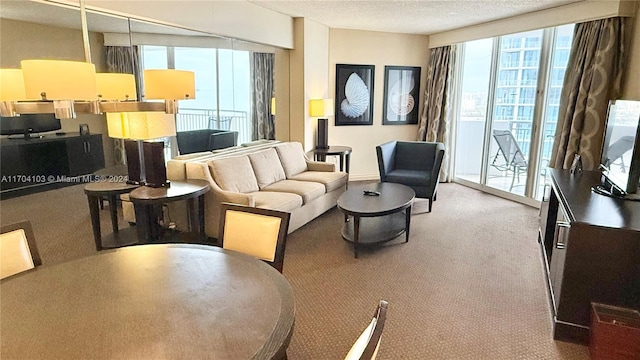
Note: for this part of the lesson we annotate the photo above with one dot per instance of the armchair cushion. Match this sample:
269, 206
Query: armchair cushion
409, 177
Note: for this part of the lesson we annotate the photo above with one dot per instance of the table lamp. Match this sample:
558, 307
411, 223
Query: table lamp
321, 108
145, 160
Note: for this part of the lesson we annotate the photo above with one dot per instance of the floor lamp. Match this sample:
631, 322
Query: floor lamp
145, 160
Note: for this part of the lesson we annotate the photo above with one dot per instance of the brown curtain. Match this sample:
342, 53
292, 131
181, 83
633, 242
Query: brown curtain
263, 124
593, 77
435, 122
124, 60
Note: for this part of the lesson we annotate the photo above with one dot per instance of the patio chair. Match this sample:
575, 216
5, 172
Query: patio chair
514, 160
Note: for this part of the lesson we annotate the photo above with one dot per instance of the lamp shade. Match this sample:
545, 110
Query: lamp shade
321, 107
169, 84
113, 86
59, 79
273, 106
11, 85
140, 125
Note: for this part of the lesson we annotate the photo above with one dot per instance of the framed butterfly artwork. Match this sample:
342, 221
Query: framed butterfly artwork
354, 94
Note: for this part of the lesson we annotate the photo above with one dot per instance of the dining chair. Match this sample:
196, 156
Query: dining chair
258, 232
367, 345
18, 249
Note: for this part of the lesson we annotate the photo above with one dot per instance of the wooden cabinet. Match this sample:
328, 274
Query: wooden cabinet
37, 164
591, 247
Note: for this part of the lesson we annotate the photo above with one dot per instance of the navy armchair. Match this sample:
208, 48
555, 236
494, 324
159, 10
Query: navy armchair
205, 140
412, 163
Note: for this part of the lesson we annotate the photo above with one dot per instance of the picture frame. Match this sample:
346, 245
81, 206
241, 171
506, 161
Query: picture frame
354, 94
84, 129
401, 98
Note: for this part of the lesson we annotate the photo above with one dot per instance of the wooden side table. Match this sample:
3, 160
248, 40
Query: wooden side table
95, 193
148, 203
343, 151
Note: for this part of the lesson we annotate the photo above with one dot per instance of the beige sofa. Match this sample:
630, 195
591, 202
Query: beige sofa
280, 178
270, 175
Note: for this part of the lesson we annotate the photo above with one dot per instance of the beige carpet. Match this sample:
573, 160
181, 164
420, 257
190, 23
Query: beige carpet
468, 285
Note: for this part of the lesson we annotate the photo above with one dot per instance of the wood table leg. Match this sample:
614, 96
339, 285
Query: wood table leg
94, 210
191, 214
408, 223
113, 209
341, 162
143, 215
356, 234
202, 236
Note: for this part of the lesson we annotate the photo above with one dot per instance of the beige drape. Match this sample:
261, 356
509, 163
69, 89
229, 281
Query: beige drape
593, 77
435, 123
263, 72
124, 59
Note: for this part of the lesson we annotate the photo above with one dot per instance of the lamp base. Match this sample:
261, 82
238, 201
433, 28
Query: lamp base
158, 185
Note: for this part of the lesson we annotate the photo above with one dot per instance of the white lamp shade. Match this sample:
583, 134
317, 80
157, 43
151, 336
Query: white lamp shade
321, 107
114, 86
169, 84
11, 85
59, 80
140, 125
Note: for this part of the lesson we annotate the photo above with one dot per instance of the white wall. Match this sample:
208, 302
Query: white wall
237, 19
379, 49
561, 15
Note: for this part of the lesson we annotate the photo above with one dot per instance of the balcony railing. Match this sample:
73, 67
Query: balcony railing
232, 120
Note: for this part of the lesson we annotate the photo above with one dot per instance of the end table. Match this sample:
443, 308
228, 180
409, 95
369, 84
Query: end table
343, 151
95, 193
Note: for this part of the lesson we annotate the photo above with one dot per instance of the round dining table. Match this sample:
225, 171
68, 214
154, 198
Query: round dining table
169, 301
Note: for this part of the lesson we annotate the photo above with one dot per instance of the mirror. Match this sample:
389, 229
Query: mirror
225, 82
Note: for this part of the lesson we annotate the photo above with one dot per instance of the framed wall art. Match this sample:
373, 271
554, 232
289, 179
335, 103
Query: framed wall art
354, 94
401, 95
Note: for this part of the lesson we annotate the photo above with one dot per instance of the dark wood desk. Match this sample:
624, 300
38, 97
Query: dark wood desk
343, 151
170, 301
95, 192
383, 217
148, 202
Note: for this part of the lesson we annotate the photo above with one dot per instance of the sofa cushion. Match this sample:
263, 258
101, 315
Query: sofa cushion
266, 166
409, 177
331, 180
292, 158
234, 174
307, 189
277, 200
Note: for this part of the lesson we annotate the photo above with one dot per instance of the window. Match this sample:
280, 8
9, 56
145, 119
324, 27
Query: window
531, 58
508, 78
506, 95
510, 59
527, 96
529, 77
502, 98
223, 87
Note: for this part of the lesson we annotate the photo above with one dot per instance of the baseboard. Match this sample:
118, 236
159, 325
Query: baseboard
364, 177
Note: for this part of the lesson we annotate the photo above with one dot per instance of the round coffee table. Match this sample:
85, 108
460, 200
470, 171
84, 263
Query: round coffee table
382, 216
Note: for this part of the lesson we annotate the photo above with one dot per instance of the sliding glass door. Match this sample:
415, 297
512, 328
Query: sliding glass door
509, 94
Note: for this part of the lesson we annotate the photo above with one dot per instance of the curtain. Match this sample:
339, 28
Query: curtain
126, 60
263, 124
435, 123
593, 77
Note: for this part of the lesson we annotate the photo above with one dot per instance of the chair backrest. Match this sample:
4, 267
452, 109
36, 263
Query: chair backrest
18, 249
509, 148
261, 233
367, 345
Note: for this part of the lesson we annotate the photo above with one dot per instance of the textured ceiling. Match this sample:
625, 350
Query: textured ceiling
417, 17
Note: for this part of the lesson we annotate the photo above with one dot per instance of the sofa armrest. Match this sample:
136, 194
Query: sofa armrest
321, 166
